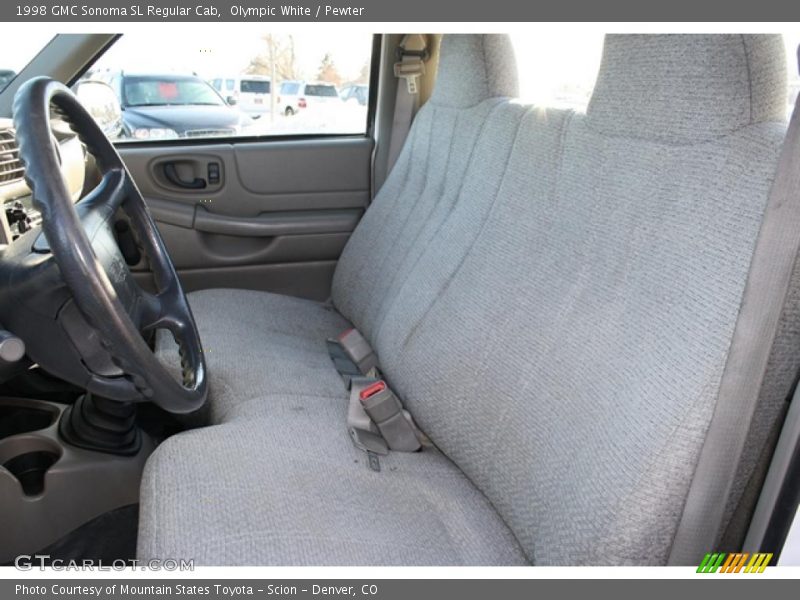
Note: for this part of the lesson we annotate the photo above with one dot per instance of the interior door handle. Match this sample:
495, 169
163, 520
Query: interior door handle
171, 173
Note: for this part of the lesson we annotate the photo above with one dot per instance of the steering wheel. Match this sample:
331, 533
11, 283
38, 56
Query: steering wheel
81, 240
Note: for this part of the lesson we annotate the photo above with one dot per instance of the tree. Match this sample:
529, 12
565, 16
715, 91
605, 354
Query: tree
328, 71
363, 75
280, 49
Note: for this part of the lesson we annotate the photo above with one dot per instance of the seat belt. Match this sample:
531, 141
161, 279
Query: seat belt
764, 296
376, 419
412, 52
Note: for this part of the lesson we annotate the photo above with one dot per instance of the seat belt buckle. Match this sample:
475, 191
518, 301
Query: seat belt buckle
363, 432
385, 410
356, 347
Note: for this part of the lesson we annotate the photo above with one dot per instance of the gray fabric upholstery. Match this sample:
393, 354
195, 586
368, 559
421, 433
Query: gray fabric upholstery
558, 325
440, 153
399, 229
611, 288
646, 213
687, 88
535, 136
257, 343
473, 68
288, 487
576, 389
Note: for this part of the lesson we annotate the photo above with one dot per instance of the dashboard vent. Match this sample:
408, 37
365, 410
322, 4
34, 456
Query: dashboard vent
11, 168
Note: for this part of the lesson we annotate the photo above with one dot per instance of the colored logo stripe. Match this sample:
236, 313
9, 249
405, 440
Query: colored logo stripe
758, 563
711, 562
734, 562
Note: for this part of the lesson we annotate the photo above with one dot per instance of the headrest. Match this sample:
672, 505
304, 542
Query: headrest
473, 68
685, 89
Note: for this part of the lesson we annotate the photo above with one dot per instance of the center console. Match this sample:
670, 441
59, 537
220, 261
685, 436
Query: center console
49, 488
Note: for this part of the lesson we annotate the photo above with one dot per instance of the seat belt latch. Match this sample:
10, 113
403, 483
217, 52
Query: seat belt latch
357, 349
411, 71
412, 52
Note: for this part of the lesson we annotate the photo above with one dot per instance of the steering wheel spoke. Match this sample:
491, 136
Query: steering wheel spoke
150, 312
164, 310
110, 193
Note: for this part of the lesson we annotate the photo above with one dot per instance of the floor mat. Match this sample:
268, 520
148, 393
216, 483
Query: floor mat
109, 537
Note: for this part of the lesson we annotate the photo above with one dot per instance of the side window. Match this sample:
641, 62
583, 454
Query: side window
240, 83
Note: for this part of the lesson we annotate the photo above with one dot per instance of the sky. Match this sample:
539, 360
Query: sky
229, 52
18, 48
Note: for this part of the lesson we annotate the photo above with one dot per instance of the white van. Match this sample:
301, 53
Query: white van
296, 95
251, 93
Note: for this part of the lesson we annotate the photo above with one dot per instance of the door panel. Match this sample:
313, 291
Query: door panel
272, 215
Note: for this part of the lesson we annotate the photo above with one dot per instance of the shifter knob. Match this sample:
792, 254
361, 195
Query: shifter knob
12, 348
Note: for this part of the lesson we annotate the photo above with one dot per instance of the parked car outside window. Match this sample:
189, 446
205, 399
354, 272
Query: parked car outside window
251, 71
251, 93
164, 106
355, 93
299, 95
6, 75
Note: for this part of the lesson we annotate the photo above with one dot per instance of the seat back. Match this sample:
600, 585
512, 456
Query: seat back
570, 358
475, 75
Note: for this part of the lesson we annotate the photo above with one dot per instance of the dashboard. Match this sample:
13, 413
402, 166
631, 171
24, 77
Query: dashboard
19, 215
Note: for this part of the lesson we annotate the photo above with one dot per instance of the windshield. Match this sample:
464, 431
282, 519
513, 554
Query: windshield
167, 91
17, 50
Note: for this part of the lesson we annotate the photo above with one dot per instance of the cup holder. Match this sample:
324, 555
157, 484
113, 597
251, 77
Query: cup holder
28, 458
30, 469
16, 419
